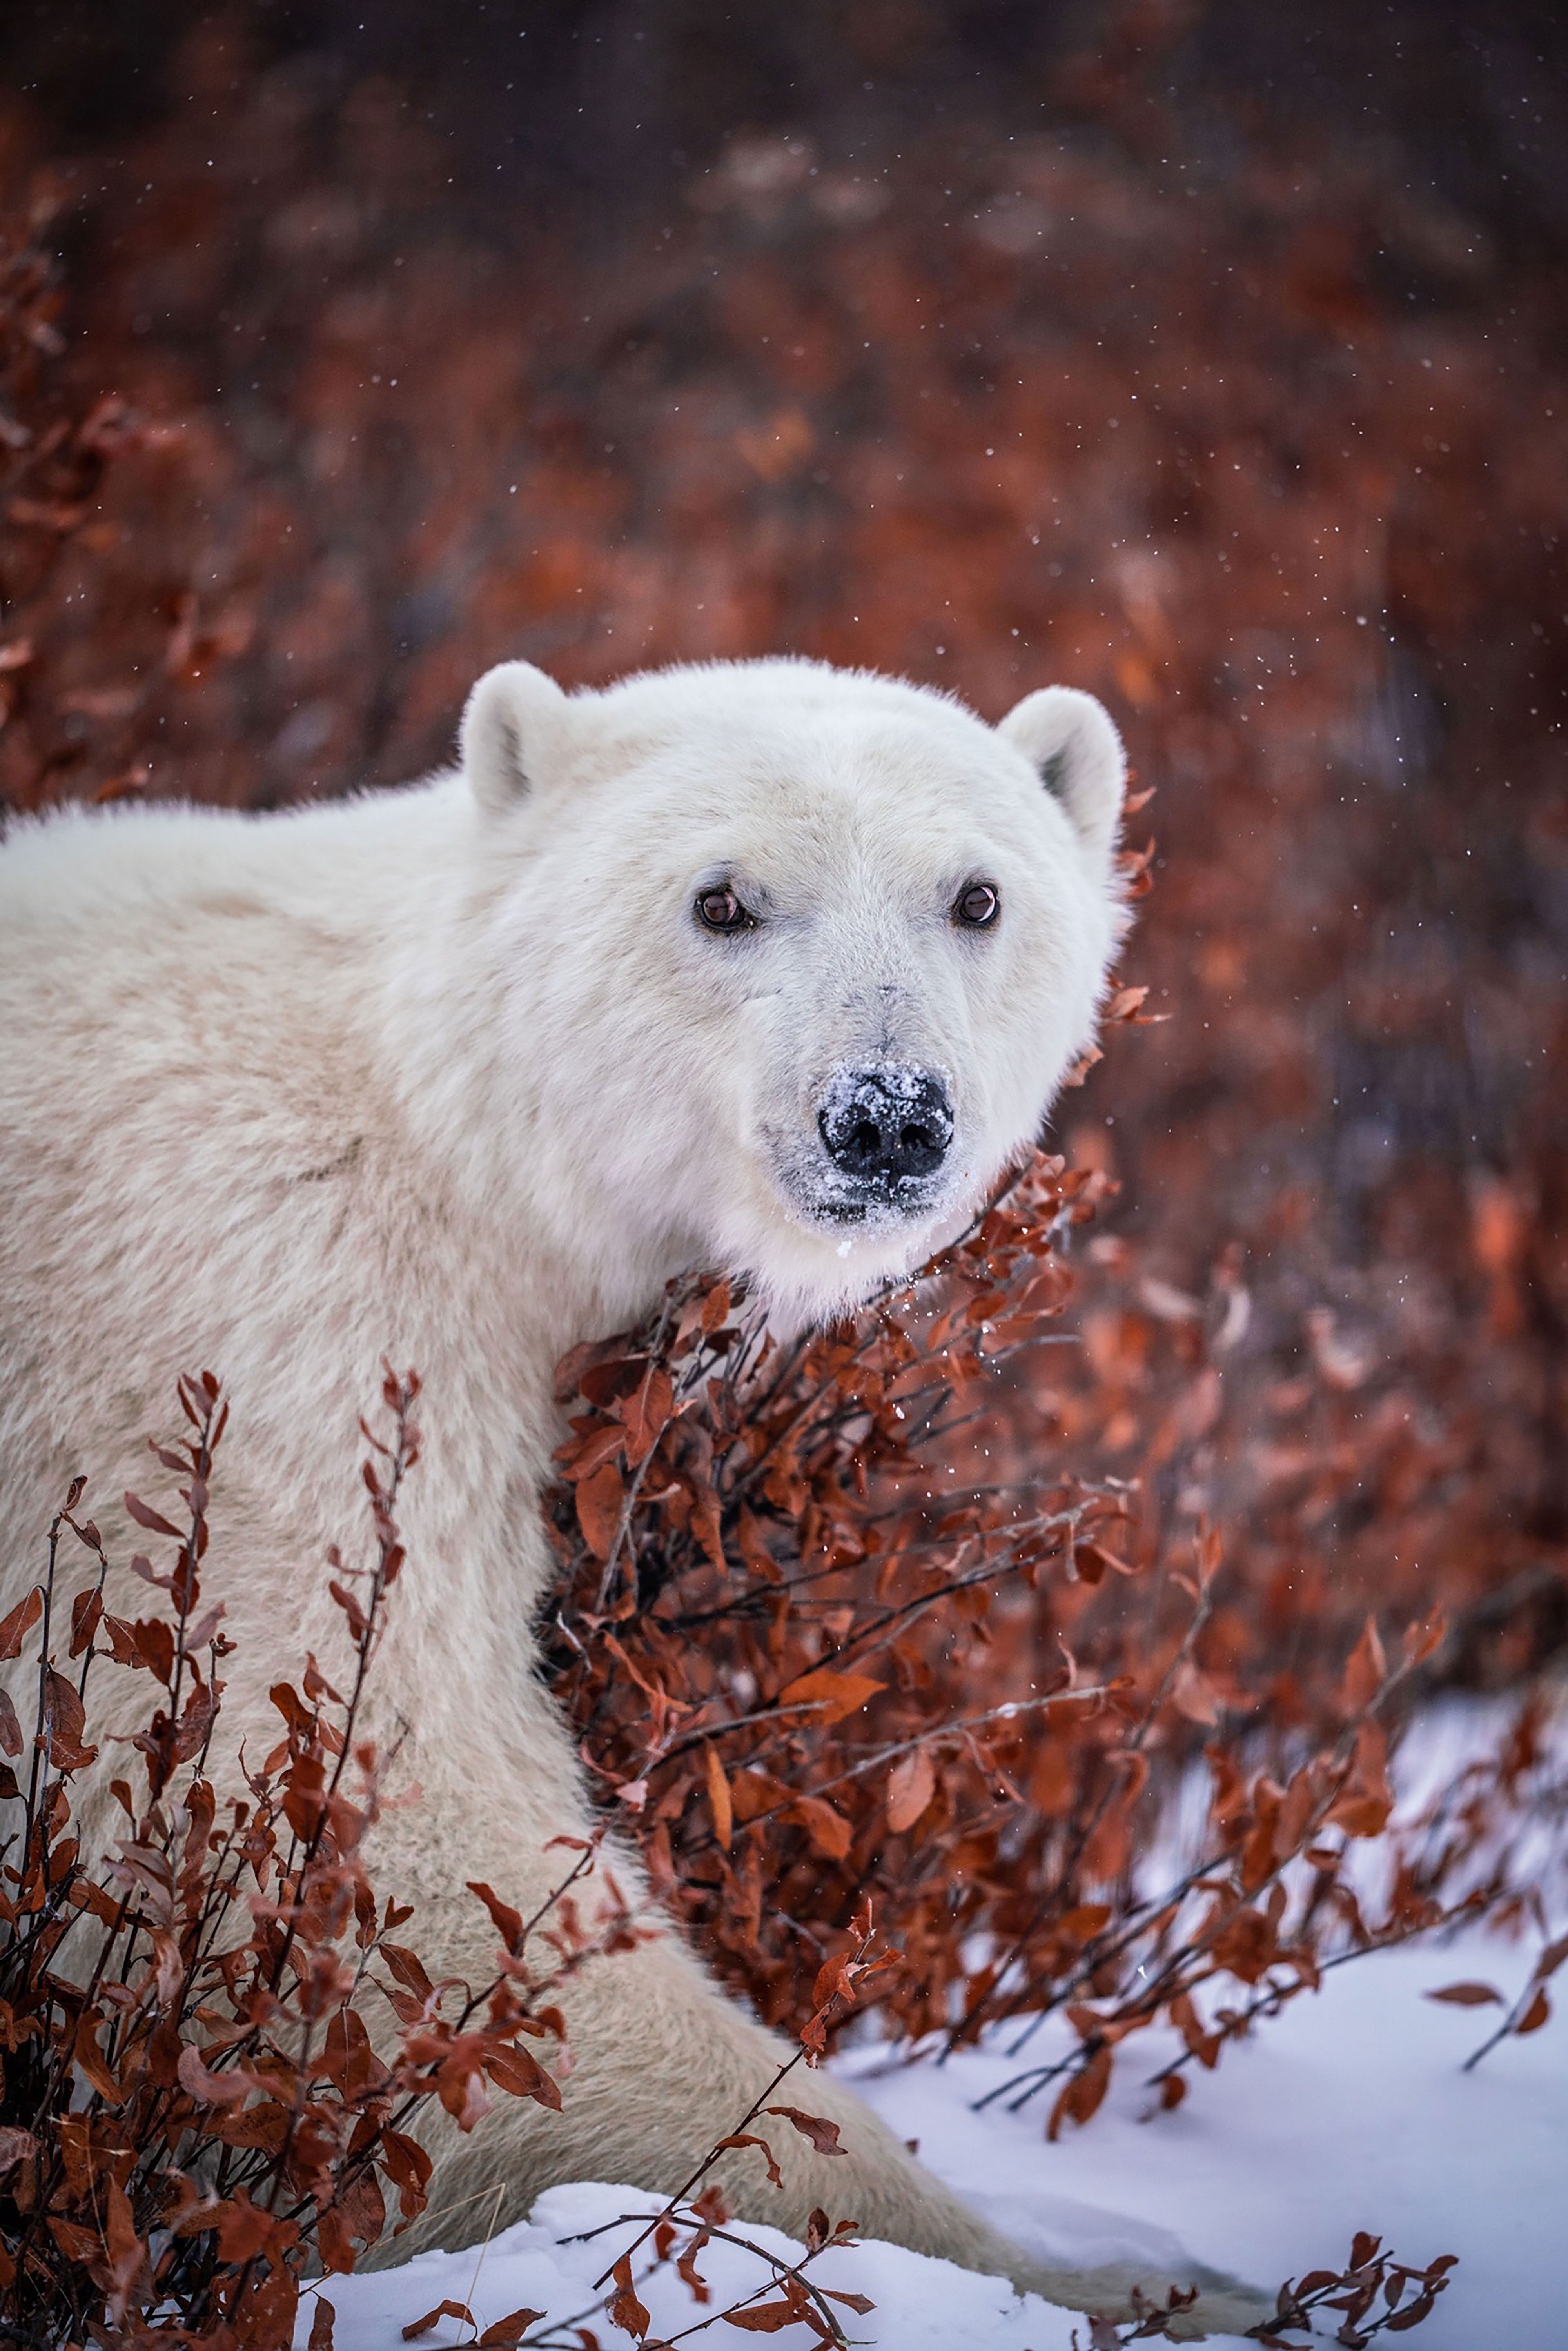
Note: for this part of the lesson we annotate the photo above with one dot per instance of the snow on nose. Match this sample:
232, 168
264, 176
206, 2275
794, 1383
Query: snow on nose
887, 1125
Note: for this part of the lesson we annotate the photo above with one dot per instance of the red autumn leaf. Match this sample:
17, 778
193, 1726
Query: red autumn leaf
764, 2317
1080, 2097
582, 1455
749, 2138
349, 1602
708, 1523
125, 2247
822, 2134
911, 1785
1538, 2012
601, 1500
87, 1609
1365, 1674
623, 2309
1552, 1957
715, 1309
862, 2302
418, 2326
1360, 1815
244, 2230
16, 1627
154, 1520
408, 2167
505, 2334
1424, 1641
78, 2245
508, 1922
519, 2072
1192, 1694
646, 1414
409, 1969
718, 1796
65, 1722
837, 1694
1468, 1995
213, 2089
89, 2060
828, 1830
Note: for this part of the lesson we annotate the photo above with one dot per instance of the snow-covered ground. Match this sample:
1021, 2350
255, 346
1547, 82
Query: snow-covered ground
1348, 2111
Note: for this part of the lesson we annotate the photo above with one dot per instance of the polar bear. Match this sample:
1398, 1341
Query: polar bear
762, 966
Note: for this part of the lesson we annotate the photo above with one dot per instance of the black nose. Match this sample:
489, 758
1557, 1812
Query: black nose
887, 1125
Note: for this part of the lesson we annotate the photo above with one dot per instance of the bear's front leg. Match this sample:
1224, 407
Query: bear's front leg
665, 2065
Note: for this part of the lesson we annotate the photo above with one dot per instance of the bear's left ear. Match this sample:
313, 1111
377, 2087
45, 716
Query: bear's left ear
512, 731
1072, 743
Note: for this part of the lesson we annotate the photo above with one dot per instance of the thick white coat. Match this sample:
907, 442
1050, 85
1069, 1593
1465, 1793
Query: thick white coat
453, 1075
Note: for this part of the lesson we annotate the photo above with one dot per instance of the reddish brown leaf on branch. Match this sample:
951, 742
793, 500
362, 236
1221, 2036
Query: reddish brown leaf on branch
719, 1797
835, 1694
822, 2134
1537, 2012
16, 1627
417, 2327
911, 1786
1082, 2094
505, 2334
601, 1500
623, 2309
765, 2317
1365, 1674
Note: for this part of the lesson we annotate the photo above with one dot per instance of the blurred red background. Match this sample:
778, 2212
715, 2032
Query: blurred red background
1208, 358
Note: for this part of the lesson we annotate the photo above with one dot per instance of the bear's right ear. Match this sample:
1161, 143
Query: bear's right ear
511, 732
1071, 742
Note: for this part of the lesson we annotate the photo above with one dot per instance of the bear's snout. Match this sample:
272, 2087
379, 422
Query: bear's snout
887, 1127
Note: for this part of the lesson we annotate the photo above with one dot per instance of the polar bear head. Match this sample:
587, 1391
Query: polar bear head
793, 959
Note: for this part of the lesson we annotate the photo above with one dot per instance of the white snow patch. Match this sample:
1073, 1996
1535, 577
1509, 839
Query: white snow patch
922, 2305
1348, 2111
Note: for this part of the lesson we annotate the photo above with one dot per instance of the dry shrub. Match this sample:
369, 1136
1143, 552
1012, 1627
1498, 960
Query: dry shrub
820, 1648
193, 2110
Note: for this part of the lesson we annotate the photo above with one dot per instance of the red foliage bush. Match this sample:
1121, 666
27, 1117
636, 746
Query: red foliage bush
193, 2109
821, 1649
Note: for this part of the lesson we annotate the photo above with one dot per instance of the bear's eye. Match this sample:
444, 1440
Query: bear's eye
977, 906
721, 910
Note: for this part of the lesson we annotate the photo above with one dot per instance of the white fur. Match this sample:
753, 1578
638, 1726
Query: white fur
453, 1075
